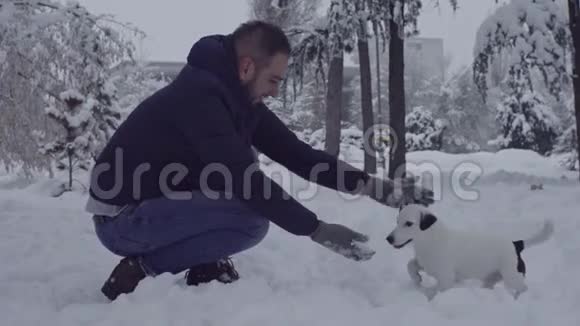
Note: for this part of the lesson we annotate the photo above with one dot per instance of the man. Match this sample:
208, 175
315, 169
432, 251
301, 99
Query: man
178, 186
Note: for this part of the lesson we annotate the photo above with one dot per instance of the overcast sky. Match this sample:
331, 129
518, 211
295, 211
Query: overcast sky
173, 26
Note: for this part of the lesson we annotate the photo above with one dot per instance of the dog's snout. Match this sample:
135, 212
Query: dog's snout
390, 239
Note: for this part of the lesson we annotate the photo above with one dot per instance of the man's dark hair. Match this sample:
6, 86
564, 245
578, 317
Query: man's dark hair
260, 40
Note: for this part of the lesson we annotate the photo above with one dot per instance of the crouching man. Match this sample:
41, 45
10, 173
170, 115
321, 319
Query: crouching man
153, 185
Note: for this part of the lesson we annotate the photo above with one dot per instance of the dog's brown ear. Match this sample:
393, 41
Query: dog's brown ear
426, 221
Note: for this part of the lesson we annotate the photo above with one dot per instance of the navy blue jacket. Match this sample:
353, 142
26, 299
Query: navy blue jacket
205, 116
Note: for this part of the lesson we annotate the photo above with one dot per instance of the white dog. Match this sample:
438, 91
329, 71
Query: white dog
452, 256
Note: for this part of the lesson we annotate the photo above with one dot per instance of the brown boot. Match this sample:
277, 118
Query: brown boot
124, 278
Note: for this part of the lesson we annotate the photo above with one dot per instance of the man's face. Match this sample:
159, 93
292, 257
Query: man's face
263, 81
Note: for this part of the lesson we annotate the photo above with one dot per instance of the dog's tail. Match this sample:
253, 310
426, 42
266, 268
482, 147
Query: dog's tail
541, 236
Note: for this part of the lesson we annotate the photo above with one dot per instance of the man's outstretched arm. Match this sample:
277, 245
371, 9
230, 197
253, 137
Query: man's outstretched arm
279, 143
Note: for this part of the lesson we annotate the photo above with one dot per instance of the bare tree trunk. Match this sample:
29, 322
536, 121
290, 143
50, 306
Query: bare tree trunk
334, 105
380, 121
370, 163
575, 30
70, 170
397, 164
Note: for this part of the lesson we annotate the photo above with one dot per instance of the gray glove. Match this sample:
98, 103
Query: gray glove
398, 193
342, 240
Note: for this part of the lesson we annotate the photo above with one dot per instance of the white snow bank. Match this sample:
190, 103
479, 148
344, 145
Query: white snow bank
509, 165
53, 267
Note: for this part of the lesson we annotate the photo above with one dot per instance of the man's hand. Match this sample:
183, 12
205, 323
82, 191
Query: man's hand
398, 193
342, 240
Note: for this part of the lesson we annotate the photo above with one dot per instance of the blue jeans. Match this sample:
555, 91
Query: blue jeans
173, 235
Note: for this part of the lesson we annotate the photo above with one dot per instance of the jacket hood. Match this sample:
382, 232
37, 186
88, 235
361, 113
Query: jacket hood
216, 55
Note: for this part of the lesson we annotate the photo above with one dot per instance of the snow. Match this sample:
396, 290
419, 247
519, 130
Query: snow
83, 116
53, 265
50, 18
72, 94
6, 12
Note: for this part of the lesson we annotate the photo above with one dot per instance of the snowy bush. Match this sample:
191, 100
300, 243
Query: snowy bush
526, 123
423, 132
74, 147
351, 136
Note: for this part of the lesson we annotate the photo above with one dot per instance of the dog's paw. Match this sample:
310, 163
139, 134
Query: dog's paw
416, 278
430, 293
413, 269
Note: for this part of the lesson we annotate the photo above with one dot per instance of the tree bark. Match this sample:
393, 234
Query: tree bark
370, 160
334, 105
397, 164
70, 169
575, 31
381, 152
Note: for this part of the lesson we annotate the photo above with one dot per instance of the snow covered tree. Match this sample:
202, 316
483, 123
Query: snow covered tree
525, 120
402, 16
424, 132
370, 161
74, 147
341, 39
33, 36
535, 38
402, 22
321, 48
287, 14
470, 122
534, 35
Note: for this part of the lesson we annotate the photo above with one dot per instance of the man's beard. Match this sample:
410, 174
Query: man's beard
248, 89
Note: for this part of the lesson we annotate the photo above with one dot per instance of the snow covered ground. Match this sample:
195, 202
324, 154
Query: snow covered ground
52, 265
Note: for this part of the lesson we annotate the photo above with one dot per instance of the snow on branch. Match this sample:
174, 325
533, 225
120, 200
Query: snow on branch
534, 33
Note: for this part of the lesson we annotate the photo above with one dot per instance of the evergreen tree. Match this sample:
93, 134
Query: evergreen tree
73, 148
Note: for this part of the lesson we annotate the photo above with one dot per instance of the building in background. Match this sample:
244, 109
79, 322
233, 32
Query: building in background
426, 54
165, 69
422, 54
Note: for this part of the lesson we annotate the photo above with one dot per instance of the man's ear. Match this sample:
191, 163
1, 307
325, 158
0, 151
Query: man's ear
426, 221
246, 68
